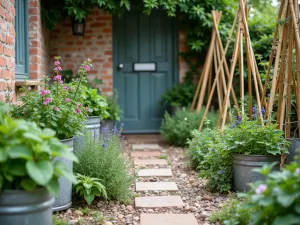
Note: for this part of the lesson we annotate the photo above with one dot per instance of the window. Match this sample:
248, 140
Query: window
21, 48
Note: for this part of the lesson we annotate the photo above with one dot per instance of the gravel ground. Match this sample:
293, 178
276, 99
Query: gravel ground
197, 199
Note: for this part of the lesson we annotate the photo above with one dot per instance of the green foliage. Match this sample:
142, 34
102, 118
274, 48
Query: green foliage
95, 103
56, 105
99, 217
277, 199
209, 155
102, 159
89, 188
86, 211
113, 109
249, 137
232, 213
177, 129
58, 221
27, 156
180, 95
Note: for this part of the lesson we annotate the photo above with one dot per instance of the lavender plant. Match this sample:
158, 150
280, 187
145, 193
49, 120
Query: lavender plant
56, 105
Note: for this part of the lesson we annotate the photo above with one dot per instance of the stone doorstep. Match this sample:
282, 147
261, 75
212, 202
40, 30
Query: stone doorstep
168, 219
158, 202
146, 146
145, 154
154, 173
156, 186
137, 162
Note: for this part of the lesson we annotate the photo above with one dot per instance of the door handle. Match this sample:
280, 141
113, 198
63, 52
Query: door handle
120, 66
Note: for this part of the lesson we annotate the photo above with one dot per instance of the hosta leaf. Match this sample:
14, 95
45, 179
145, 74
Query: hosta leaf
40, 172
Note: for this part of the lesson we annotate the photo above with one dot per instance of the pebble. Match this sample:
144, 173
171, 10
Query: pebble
136, 218
108, 223
120, 216
72, 222
129, 208
208, 197
78, 212
204, 214
69, 211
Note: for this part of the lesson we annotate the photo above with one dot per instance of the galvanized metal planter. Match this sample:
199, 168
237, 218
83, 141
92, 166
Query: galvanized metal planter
64, 200
243, 166
295, 144
92, 126
27, 208
108, 123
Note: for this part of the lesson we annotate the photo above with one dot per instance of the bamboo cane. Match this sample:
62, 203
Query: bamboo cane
241, 66
217, 78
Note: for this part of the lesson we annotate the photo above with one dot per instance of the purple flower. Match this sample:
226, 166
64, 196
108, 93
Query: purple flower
57, 77
45, 92
58, 68
87, 68
47, 101
298, 170
213, 149
56, 108
233, 126
261, 189
57, 63
104, 145
263, 111
254, 109
223, 172
253, 116
239, 119
78, 110
68, 100
66, 88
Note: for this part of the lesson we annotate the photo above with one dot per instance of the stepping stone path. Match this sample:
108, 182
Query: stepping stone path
148, 202
155, 173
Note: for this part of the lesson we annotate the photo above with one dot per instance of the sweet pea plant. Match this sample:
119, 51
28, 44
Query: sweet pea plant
56, 105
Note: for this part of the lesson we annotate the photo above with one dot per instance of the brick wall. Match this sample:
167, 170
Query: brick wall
96, 44
38, 42
7, 46
183, 66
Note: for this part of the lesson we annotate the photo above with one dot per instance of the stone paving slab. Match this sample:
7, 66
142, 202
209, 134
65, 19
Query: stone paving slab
156, 186
168, 219
146, 147
141, 154
155, 173
138, 162
158, 202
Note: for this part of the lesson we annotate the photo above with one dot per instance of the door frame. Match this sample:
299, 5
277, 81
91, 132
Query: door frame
175, 60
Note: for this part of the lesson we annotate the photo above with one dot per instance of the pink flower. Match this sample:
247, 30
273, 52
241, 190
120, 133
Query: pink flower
57, 77
29, 88
47, 101
45, 92
79, 104
261, 189
78, 110
87, 68
56, 63
298, 170
66, 88
61, 82
58, 68
68, 100
56, 108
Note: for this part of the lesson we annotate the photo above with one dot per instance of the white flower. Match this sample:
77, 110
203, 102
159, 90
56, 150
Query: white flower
185, 118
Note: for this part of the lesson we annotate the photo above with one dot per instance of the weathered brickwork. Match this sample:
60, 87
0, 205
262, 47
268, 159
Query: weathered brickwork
96, 44
7, 47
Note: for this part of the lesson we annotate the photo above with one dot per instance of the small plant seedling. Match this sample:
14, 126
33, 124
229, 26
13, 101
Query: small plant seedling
98, 217
58, 221
86, 211
163, 157
81, 221
169, 162
127, 201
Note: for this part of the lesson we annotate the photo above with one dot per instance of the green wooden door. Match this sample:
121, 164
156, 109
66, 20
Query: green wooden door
139, 38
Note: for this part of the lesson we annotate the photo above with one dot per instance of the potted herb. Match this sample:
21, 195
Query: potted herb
179, 96
114, 112
253, 146
29, 171
57, 106
95, 105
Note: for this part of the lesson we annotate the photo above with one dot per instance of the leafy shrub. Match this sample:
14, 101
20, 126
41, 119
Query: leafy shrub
276, 200
113, 109
232, 213
57, 105
209, 155
27, 156
177, 129
180, 95
249, 137
89, 188
102, 159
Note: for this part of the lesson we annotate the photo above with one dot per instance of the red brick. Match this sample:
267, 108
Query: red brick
106, 77
33, 11
10, 40
33, 51
2, 11
97, 25
33, 3
33, 19
107, 30
9, 52
34, 67
107, 89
